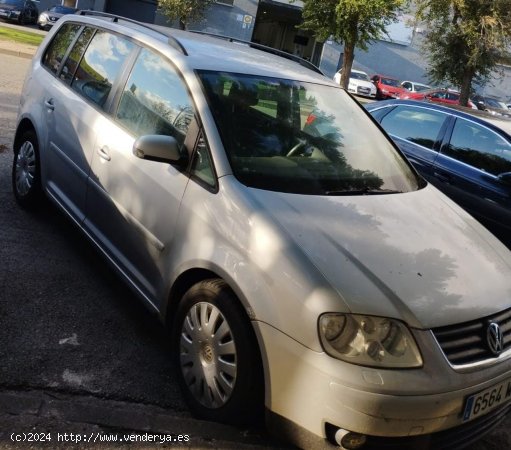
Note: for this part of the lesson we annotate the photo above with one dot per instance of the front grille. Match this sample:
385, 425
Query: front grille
466, 343
363, 90
450, 439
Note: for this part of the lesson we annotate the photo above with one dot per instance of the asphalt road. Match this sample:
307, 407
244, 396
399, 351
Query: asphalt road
70, 329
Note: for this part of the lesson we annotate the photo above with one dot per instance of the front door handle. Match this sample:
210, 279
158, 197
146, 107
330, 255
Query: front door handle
49, 104
104, 153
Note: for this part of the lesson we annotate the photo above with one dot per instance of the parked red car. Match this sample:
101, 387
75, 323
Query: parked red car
436, 95
387, 87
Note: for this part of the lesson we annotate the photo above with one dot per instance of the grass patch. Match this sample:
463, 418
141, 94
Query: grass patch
23, 37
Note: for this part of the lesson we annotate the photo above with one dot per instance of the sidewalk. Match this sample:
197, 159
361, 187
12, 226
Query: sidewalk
17, 49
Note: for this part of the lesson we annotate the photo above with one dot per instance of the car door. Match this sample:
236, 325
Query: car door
438, 96
418, 132
467, 169
74, 105
133, 203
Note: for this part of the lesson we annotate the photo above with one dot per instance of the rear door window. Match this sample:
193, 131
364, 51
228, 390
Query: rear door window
101, 64
479, 147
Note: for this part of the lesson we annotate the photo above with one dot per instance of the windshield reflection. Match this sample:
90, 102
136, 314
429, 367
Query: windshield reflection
303, 138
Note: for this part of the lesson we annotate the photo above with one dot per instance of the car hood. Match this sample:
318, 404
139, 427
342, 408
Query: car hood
54, 14
415, 256
363, 83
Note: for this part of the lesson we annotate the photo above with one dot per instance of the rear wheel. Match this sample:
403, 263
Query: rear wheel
216, 353
26, 178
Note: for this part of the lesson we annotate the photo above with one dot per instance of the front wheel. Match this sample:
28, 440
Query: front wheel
26, 178
216, 353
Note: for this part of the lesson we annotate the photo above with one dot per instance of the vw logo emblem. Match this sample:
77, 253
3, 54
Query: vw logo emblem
495, 338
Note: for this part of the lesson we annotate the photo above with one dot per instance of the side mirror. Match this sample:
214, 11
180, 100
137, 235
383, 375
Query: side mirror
505, 178
155, 147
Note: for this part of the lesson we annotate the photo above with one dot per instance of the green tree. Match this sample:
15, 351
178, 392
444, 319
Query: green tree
353, 23
466, 39
184, 11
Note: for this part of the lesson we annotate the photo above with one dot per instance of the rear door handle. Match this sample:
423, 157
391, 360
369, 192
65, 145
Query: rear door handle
443, 177
104, 153
49, 104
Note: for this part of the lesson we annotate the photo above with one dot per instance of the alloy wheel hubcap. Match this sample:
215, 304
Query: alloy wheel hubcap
208, 355
25, 168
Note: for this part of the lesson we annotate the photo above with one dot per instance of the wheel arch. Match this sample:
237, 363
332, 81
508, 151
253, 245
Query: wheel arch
182, 283
195, 275
24, 125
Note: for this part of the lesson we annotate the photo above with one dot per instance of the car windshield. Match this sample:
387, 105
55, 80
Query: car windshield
360, 76
421, 88
62, 9
390, 82
12, 2
303, 138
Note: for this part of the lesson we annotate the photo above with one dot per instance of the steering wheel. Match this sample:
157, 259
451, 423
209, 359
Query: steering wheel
298, 149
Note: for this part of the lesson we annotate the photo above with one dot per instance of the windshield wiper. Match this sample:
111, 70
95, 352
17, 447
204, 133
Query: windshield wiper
365, 191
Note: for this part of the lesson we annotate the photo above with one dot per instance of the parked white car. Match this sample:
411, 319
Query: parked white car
300, 262
359, 84
413, 86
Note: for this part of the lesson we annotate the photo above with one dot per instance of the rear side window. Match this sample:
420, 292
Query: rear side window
418, 125
438, 95
101, 64
479, 147
58, 47
155, 99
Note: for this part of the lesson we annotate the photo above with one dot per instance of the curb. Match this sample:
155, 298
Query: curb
58, 412
18, 53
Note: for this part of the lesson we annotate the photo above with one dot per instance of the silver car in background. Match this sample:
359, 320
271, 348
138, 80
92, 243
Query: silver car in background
301, 264
48, 18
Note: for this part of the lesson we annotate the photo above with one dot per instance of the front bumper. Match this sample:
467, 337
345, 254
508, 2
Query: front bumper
312, 390
357, 90
45, 23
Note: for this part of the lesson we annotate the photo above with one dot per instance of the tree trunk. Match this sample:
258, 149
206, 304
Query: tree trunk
466, 86
182, 23
347, 63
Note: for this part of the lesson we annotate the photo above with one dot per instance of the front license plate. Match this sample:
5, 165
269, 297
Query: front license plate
484, 401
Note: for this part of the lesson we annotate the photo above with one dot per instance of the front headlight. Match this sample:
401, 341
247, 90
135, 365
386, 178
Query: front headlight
369, 341
15, 13
44, 16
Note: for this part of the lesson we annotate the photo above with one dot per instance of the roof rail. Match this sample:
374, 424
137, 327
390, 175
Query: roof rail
172, 41
264, 48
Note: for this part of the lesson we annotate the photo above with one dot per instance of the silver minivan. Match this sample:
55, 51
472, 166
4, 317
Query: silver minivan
302, 265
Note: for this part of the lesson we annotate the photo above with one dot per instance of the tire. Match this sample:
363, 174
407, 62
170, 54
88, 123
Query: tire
26, 171
216, 355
